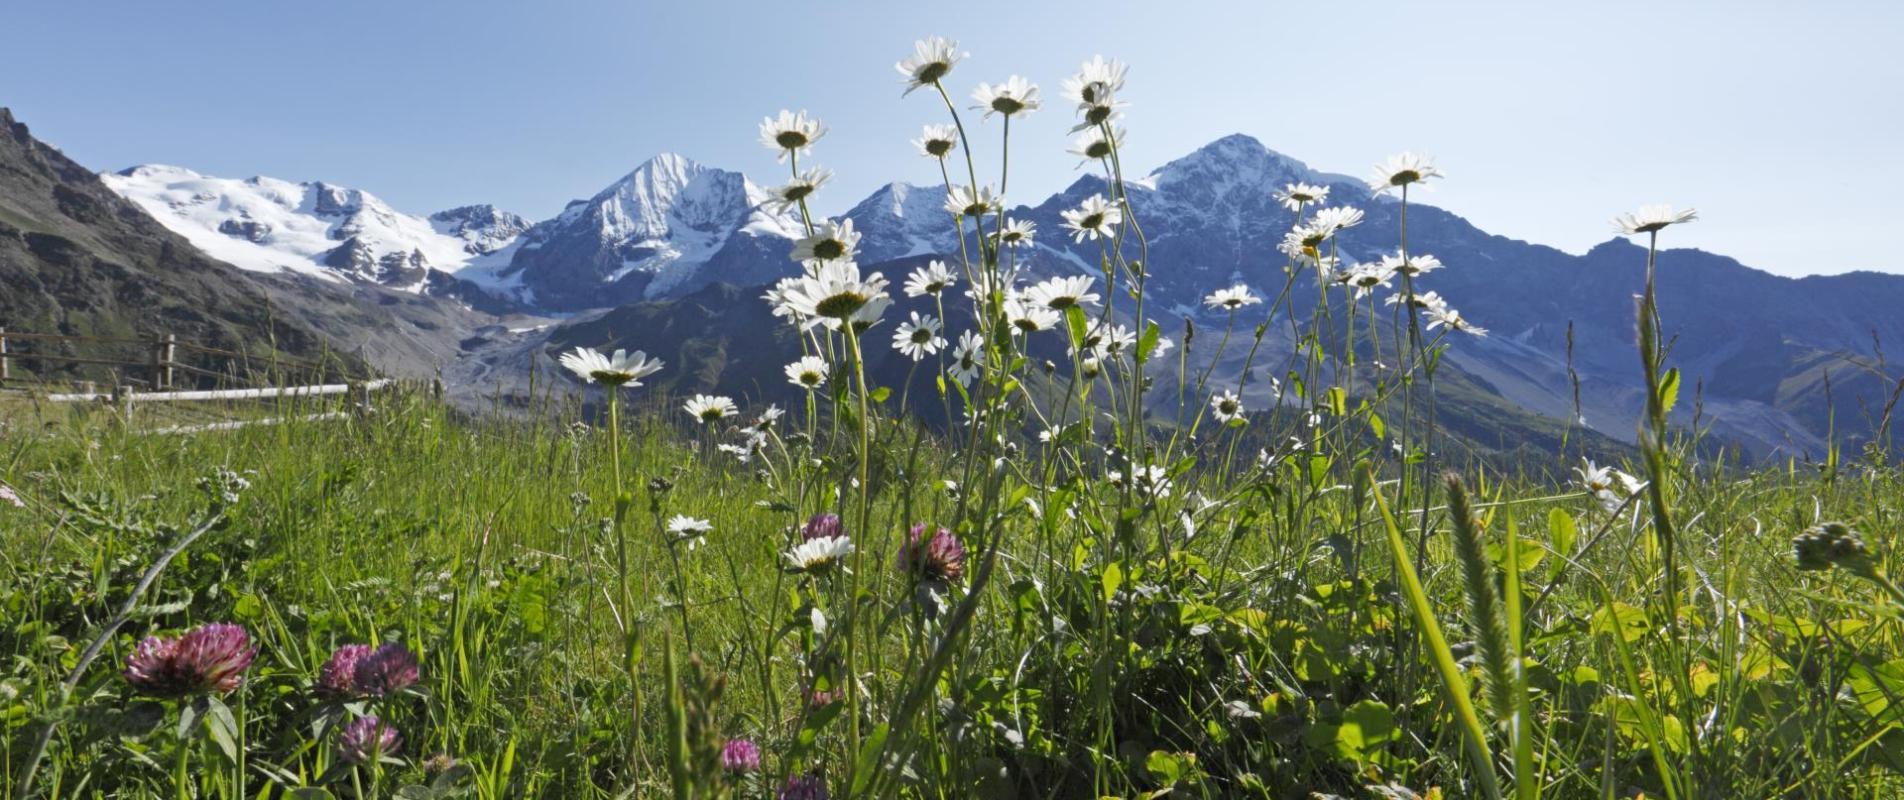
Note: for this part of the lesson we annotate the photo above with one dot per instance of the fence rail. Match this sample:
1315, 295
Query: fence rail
160, 368
163, 367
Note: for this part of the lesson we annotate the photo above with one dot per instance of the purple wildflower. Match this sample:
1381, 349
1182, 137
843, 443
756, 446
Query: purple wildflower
386, 671
209, 658
823, 526
366, 738
336, 678
938, 558
741, 756
811, 786
10, 497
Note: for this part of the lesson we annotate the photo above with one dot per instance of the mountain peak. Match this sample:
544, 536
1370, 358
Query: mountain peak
266, 224
1237, 157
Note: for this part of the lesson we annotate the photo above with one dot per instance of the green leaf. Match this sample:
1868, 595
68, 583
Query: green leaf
1075, 324
869, 751
1170, 769
1148, 341
190, 715
1669, 390
1111, 578
880, 394
1561, 531
1366, 726
223, 728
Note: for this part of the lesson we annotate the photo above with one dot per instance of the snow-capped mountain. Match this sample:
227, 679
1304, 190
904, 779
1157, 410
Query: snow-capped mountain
673, 229
669, 227
333, 232
901, 220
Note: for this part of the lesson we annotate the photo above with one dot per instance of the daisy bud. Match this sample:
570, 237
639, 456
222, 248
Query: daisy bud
1832, 544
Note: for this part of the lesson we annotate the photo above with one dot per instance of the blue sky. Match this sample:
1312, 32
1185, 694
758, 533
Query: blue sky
1779, 121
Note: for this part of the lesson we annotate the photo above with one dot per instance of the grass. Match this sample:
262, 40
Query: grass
1263, 655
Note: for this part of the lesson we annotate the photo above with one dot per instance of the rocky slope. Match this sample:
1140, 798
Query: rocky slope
78, 260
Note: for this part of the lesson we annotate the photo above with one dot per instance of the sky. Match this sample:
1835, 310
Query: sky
1779, 121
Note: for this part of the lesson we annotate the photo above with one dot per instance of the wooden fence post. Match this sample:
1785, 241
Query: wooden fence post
6, 369
162, 356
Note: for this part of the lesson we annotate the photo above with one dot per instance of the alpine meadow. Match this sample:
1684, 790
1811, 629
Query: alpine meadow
943, 497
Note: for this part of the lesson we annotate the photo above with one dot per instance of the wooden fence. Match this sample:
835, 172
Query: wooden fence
163, 369
161, 366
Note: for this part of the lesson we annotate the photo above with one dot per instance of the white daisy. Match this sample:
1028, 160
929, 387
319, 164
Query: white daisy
1336, 219
1063, 292
1303, 243
1005, 280
867, 316
1608, 485
831, 241
710, 408
937, 141
1226, 406
1016, 233
1092, 218
968, 358
932, 59
818, 554
776, 296
930, 279
790, 133
1401, 170
1232, 298
621, 369
1097, 80
688, 529
1093, 145
1412, 266
1452, 318
1650, 219
808, 373
1030, 317
972, 202
835, 292
1427, 302
1369, 276
918, 337
1094, 89
1104, 340
1015, 95
787, 197
1151, 481
1296, 195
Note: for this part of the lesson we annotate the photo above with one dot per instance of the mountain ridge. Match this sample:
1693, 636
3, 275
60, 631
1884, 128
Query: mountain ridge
1761, 343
